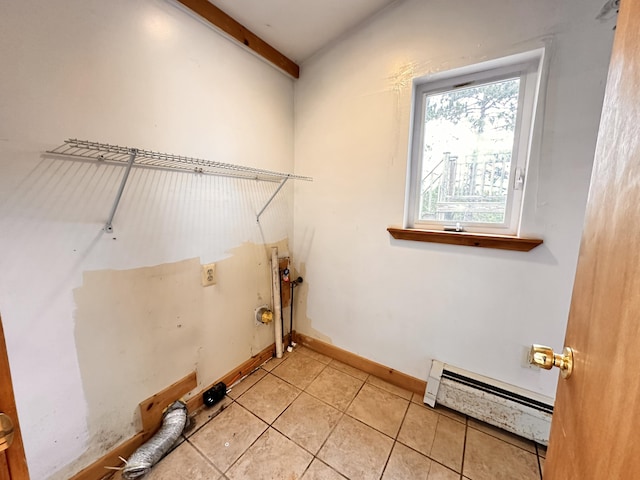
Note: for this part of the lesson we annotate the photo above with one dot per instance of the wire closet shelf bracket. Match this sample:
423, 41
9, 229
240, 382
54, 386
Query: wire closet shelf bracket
105, 152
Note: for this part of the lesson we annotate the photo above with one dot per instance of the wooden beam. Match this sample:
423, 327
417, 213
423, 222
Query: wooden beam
231, 27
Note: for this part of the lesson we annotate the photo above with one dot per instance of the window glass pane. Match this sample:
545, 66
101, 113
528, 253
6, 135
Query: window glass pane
468, 141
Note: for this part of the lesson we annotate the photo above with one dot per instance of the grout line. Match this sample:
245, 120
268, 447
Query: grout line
312, 380
386, 463
404, 417
186, 440
347, 373
245, 451
427, 456
539, 463
395, 439
307, 468
464, 445
282, 413
300, 350
506, 441
342, 415
197, 429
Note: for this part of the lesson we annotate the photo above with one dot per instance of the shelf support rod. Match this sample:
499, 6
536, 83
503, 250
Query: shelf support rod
284, 180
108, 227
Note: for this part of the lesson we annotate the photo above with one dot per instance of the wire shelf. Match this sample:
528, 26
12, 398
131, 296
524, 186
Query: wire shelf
116, 153
131, 157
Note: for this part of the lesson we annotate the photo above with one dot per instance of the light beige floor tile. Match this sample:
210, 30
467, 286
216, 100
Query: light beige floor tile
379, 409
542, 450
452, 414
541, 461
348, 369
405, 463
356, 450
509, 437
448, 444
488, 458
227, 436
315, 355
300, 370
419, 428
268, 398
308, 422
246, 383
447, 412
204, 414
184, 463
378, 382
274, 362
334, 387
273, 456
320, 471
419, 399
439, 472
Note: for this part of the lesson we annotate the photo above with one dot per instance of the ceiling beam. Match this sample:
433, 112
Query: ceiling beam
231, 27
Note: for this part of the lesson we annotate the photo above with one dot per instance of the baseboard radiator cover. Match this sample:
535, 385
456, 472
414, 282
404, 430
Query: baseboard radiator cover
505, 406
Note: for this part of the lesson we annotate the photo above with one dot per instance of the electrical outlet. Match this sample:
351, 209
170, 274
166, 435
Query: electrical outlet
208, 274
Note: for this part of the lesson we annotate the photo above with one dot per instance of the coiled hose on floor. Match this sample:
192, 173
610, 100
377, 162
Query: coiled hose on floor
174, 421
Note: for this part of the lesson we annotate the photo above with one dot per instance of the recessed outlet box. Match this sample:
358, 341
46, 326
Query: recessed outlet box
208, 274
524, 361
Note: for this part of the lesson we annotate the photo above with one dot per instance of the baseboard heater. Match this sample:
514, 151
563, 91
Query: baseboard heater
514, 409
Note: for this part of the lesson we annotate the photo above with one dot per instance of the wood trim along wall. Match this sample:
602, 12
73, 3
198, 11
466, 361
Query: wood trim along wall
14, 456
236, 30
387, 374
98, 469
484, 240
152, 408
158, 402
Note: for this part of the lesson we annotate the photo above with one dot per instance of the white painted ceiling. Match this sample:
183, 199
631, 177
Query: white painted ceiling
299, 28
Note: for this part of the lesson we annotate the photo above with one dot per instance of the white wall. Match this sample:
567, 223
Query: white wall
143, 74
404, 303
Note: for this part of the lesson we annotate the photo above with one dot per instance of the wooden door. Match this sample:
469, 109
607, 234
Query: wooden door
13, 465
595, 432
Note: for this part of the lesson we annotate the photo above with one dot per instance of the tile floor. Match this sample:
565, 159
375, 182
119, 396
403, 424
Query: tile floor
309, 417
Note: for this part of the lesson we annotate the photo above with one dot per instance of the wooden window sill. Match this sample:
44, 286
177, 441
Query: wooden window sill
483, 240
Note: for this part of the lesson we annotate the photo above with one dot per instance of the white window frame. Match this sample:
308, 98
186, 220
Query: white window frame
528, 67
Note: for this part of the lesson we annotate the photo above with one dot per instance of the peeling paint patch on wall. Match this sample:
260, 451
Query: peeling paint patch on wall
139, 330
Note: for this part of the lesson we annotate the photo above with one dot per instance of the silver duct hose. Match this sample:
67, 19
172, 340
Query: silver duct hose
173, 422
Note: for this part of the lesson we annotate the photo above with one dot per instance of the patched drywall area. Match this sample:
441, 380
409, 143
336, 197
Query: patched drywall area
139, 330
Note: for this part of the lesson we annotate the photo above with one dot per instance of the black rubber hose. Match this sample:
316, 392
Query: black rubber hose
293, 284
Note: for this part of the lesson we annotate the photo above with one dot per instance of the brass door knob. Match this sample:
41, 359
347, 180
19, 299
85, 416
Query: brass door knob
543, 357
6, 432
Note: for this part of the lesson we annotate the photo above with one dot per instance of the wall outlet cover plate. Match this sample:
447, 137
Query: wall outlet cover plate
208, 274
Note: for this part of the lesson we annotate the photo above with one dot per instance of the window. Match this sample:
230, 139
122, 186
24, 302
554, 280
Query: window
470, 143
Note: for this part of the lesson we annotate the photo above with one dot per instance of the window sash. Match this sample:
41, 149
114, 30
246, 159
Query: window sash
528, 71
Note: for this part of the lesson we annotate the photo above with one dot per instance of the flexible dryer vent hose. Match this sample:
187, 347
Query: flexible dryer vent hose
150, 453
